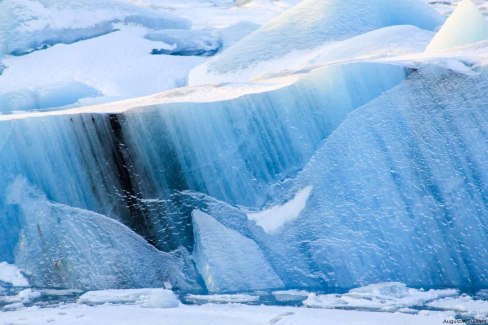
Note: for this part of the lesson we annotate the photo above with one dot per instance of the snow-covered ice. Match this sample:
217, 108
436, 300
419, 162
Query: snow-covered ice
10, 274
465, 25
274, 218
149, 298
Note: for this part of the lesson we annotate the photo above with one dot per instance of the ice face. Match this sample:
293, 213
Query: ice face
65, 247
227, 260
466, 25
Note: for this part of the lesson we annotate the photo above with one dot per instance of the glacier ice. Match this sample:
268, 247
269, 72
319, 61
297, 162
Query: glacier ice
10, 274
227, 260
29, 25
185, 42
465, 25
274, 218
65, 247
147, 297
314, 22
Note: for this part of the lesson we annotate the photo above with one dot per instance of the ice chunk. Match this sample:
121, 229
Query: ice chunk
227, 260
66, 247
11, 274
464, 304
274, 218
465, 25
290, 295
150, 298
46, 96
186, 43
382, 297
29, 25
313, 22
223, 298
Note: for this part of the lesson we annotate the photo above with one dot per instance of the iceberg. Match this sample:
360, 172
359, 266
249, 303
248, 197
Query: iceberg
28, 25
147, 297
65, 247
312, 23
465, 25
227, 260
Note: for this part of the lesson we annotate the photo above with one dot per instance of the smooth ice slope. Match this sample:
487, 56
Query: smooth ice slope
314, 22
65, 247
227, 260
466, 25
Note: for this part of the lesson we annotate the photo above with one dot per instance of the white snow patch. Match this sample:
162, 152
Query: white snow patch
150, 298
466, 25
11, 274
274, 218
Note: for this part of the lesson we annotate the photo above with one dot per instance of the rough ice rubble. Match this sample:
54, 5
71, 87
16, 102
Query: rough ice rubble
65, 247
312, 23
148, 297
28, 25
390, 297
227, 260
10, 274
465, 25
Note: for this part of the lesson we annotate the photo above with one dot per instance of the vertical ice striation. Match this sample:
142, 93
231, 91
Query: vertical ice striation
227, 260
465, 25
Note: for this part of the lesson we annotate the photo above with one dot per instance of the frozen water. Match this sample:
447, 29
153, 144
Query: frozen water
149, 298
65, 247
10, 274
227, 260
274, 218
389, 297
186, 43
28, 25
313, 22
465, 25
223, 298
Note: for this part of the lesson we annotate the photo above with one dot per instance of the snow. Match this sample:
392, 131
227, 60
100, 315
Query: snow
118, 65
290, 295
149, 298
212, 314
276, 217
391, 297
465, 25
465, 304
227, 260
311, 23
29, 25
11, 274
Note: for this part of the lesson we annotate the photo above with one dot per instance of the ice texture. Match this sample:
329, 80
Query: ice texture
274, 218
465, 25
390, 297
27, 25
147, 297
313, 22
186, 43
227, 260
10, 274
66, 247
